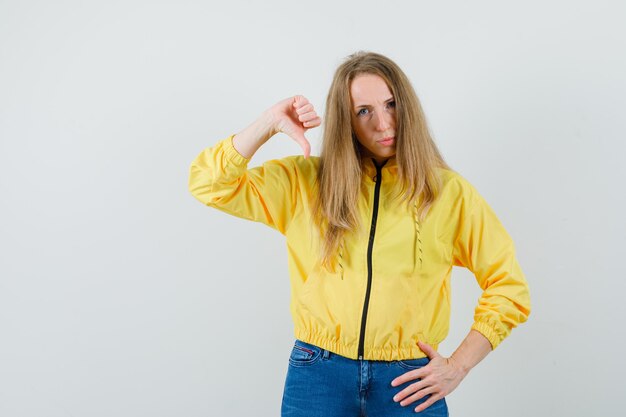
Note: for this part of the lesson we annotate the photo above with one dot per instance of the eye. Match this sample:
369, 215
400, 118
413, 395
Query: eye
360, 112
391, 104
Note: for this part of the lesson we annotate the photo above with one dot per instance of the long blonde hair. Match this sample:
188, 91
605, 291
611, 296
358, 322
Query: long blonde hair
340, 170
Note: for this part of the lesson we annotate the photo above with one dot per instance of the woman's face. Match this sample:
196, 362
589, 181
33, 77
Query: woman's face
373, 116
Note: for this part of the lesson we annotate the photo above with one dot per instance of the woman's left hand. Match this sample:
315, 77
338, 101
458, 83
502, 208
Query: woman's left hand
439, 378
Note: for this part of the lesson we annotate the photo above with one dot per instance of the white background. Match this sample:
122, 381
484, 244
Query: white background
121, 295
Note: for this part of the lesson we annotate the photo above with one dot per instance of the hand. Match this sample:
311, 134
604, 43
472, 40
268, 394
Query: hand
439, 378
293, 116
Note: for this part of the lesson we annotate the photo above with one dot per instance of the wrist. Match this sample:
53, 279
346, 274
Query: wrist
266, 125
249, 140
459, 365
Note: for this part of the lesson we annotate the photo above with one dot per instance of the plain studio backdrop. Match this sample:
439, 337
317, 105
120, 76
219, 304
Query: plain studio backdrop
121, 295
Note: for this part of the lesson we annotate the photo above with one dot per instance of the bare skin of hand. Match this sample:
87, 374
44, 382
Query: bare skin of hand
439, 378
294, 116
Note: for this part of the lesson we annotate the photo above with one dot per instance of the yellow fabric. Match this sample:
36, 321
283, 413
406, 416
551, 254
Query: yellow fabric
411, 261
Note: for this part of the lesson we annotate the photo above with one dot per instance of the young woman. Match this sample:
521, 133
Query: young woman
373, 227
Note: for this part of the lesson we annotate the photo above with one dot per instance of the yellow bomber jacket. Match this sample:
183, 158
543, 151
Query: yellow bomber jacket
392, 284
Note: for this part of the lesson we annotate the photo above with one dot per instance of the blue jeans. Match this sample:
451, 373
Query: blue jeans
323, 384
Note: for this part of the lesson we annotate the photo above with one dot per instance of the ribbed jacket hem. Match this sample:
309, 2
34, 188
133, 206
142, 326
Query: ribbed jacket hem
350, 350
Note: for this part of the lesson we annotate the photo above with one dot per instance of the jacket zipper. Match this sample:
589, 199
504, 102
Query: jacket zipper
370, 247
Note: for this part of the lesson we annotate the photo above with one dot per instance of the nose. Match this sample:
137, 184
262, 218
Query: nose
381, 120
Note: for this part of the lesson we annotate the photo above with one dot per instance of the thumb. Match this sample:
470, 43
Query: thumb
427, 349
304, 143
297, 135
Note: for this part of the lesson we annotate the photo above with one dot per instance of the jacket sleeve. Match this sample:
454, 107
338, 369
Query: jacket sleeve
484, 247
219, 178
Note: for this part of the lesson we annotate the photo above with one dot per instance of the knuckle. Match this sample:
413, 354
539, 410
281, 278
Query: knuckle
419, 394
402, 394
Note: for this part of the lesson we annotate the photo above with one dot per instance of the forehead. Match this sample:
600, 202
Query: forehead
366, 88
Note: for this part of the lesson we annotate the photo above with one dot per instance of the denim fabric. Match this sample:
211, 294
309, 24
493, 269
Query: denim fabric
323, 384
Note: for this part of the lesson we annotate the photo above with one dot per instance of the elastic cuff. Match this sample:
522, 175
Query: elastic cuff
231, 152
489, 332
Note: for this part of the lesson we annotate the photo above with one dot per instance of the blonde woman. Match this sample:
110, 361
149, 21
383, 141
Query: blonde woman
373, 228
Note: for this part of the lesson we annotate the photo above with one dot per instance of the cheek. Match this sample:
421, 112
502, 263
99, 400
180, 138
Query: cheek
358, 131
362, 129
359, 139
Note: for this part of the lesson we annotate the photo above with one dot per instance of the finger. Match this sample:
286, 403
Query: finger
299, 101
428, 349
417, 396
304, 144
409, 390
423, 406
313, 123
411, 375
306, 149
307, 116
304, 109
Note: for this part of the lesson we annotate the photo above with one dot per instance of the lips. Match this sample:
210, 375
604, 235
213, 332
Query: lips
388, 141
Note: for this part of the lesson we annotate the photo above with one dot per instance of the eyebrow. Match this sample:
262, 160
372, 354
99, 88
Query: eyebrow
367, 105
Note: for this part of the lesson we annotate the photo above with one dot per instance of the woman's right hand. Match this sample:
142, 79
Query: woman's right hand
293, 116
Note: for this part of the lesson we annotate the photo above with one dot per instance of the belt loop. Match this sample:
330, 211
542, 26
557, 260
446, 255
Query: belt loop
326, 354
